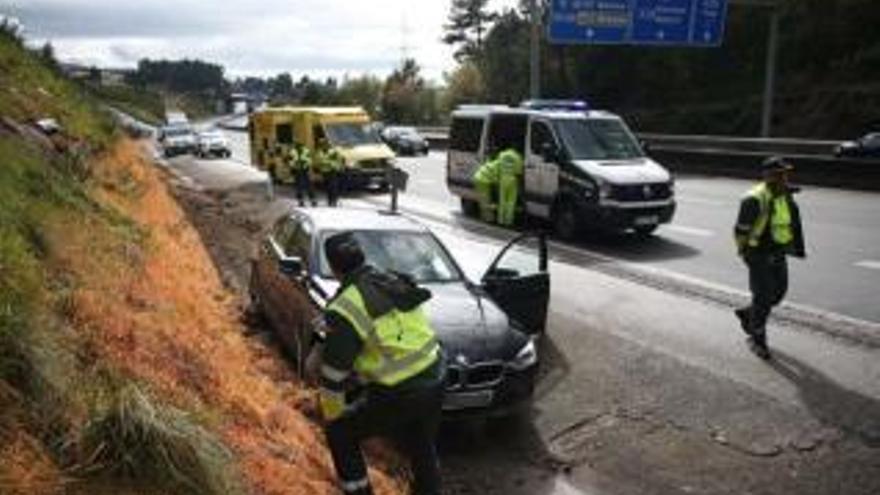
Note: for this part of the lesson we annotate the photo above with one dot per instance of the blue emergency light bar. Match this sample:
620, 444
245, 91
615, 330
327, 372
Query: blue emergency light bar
563, 105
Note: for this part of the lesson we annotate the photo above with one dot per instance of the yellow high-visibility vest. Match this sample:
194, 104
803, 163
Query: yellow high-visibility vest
779, 222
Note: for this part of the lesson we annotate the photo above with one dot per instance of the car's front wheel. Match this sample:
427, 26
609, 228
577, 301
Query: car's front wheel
470, 208
646, 230
566, 223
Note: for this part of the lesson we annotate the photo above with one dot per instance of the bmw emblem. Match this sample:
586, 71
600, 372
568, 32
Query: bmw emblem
461, 359
648, 192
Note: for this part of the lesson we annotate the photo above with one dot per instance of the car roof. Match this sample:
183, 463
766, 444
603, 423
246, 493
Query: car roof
483, 111
339, 219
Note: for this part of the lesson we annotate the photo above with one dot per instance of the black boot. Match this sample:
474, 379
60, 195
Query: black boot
745, 320
758, 343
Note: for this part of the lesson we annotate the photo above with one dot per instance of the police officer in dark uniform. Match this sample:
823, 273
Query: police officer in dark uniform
767, 231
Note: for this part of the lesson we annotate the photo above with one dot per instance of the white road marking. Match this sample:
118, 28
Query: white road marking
869, 264
692, 231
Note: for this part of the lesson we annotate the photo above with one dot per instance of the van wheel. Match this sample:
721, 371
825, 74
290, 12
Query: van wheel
566, 224
470, 208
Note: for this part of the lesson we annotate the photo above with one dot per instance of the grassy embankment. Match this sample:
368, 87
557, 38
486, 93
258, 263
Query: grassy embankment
123, 368
144, 105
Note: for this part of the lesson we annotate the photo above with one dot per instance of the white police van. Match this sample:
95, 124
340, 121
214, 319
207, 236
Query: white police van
583, 168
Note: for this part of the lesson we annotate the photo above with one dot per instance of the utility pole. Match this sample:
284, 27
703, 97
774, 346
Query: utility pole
772, 56
770, 77
535, 58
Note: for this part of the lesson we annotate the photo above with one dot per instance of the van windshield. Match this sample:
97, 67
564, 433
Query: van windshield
349, 135
598, 139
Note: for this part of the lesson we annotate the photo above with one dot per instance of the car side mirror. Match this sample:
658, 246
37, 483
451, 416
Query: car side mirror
292, 266
646, 146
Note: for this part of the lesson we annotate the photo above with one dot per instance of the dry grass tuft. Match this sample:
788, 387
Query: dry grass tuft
138, 440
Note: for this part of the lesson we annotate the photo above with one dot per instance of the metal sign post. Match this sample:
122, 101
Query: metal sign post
397, 180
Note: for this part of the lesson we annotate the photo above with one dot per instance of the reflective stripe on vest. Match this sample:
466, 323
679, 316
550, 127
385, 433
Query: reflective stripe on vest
780, 223
397, 346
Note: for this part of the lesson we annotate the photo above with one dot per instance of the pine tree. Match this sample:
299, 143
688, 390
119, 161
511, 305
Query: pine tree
469, 20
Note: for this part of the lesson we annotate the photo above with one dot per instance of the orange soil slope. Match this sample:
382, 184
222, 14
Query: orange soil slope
157, 310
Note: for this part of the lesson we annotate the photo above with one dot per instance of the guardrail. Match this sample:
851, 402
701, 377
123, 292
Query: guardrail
738, 157
846, 173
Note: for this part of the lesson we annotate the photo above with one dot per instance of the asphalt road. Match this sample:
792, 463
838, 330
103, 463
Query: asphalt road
645, 390
841, 275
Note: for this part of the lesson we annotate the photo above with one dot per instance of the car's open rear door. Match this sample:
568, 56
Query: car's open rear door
519, 282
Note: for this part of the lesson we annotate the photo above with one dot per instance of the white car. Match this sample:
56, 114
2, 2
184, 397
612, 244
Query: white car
213, 143
177, 140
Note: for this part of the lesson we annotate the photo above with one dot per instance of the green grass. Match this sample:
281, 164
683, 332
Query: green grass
98, 426
144, 105
29, 90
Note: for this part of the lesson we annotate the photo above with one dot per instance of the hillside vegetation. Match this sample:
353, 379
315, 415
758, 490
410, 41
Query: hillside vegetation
123, 366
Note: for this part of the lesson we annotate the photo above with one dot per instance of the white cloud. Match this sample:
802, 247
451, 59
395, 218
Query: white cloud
316, 37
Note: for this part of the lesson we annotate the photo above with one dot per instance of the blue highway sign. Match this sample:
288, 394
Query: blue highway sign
638, 22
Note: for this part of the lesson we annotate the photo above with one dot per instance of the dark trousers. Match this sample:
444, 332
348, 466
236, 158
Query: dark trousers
411, 418
304, 187
768, 282
331, 186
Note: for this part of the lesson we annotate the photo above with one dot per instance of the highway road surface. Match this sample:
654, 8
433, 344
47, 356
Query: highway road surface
646, 385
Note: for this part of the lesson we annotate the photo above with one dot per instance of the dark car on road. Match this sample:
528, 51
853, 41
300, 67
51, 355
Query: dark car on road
405, 140
488, 330
868, 146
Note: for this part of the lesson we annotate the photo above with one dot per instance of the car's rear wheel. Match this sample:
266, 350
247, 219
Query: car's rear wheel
256, 310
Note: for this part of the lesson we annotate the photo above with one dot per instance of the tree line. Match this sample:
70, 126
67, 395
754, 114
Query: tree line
828, 76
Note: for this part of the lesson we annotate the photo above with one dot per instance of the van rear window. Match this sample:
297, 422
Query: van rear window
465, 135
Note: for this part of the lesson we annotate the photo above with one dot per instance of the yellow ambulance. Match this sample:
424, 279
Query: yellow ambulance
274, 130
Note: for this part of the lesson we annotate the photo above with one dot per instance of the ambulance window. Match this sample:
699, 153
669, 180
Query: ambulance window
465, 135
541, 135
284, 133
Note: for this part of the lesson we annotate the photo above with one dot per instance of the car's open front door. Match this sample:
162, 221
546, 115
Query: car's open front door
519, 282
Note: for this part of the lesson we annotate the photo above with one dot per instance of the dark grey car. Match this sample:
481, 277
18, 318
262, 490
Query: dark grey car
488, 330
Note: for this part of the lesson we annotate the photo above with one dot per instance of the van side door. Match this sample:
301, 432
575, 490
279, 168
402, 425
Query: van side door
542, 168
465, 155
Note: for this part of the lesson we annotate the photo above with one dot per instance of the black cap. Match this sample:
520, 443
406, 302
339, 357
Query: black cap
344, 253
776, 164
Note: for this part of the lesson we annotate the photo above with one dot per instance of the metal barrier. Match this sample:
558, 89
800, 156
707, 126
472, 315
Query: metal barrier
727, 156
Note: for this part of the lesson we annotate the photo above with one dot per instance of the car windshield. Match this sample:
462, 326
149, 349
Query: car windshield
177, 131
416, 254
872, 140
406, 131
598, 139
349, 135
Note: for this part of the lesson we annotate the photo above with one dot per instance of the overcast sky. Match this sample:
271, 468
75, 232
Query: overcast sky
259, 37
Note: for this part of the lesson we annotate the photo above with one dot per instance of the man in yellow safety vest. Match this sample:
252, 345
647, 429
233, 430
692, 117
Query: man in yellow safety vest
510, 171
767, 231
486, 180
379, 342
330, 164
300, 162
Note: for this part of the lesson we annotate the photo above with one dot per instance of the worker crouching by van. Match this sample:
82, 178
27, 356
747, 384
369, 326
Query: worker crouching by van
486, 180
330, 164
510, 170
